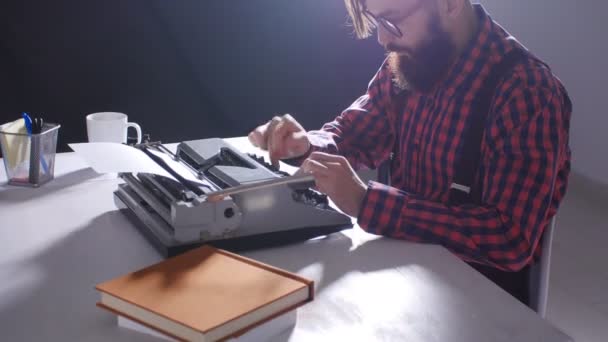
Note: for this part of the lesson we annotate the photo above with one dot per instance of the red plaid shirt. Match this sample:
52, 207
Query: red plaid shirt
524, 166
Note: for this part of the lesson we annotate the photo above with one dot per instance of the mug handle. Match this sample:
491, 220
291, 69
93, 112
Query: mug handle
137, 129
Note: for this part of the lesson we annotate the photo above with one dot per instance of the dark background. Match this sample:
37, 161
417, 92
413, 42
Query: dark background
181, 69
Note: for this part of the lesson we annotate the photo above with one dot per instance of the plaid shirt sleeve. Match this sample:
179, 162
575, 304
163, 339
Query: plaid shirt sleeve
523, 150
363, 133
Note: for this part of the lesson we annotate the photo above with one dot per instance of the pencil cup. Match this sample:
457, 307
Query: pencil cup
30, 159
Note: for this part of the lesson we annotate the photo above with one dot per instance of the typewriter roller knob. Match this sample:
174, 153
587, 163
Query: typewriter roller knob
229, 212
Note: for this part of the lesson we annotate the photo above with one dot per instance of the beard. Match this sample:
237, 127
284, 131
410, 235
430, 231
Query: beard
421, 68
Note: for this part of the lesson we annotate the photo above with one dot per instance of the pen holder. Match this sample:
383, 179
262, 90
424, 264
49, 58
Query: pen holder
30, 159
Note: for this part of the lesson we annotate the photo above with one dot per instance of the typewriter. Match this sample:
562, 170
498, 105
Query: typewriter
215, 194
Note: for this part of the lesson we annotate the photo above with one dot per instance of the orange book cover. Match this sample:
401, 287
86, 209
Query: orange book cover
205, 294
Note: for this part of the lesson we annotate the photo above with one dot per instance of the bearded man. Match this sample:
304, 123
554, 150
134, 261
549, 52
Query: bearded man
472, 128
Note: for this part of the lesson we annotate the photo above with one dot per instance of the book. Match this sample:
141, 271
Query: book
263, 332
205, 294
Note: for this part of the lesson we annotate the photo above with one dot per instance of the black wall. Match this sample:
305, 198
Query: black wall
181, 69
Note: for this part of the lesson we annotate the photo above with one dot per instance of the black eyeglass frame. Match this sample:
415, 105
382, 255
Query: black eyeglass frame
390, 26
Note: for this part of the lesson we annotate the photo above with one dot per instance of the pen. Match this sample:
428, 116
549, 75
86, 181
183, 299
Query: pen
37, 129
34, 174
34, 128
28, 123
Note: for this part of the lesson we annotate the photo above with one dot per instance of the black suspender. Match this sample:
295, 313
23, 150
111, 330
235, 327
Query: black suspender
462, 189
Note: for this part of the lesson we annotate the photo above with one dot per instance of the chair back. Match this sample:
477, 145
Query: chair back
539, 273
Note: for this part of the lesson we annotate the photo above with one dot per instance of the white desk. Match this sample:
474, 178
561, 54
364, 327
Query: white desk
60, 240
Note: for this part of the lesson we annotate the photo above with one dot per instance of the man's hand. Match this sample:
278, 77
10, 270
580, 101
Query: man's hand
282, 136
335, 177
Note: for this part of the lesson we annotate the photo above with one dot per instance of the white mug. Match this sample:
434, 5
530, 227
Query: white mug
110, 127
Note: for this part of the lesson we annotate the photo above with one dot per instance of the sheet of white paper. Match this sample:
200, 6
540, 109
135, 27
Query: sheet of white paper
106, 157
264, 332
182, 170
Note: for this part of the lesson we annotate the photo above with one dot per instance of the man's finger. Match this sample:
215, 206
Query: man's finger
278, 151
328, 158
314, 167
329, 165
322, 184
270, 138
256, 138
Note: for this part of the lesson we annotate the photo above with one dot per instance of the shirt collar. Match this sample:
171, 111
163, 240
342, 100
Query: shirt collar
477, 48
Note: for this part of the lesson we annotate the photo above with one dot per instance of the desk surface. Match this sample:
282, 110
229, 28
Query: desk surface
59, 240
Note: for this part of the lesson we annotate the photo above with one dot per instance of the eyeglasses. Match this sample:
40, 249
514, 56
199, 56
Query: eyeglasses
391, 26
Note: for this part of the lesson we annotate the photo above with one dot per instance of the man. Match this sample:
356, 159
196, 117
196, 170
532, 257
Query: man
475, 128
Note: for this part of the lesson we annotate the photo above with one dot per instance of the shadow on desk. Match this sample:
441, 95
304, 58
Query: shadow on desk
18, 194
50, 296
332, 257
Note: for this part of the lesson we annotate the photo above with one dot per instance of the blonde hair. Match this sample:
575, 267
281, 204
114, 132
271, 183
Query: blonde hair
362, 25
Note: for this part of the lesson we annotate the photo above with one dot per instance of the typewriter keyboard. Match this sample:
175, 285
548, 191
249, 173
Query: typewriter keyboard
269, 166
